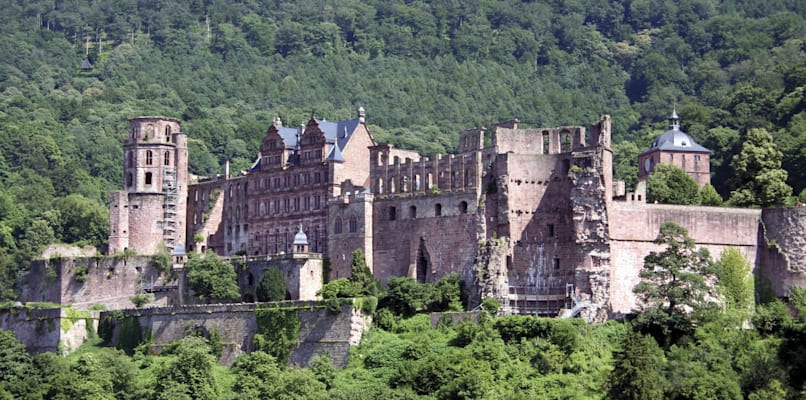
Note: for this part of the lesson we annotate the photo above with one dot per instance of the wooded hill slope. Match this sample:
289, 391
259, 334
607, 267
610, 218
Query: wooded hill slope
423, 70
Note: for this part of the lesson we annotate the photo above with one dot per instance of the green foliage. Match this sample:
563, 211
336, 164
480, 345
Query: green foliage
278, 330
139, 300
735, 283
190, 373
405, 297
759, 180
709, 196
323, 369
340, 288
491, 305
163, 260
212, 278
81, 274
637, 369
361, 276
671, 185
673, 288
272, 286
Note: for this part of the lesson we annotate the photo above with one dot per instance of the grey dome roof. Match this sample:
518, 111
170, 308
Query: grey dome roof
300, 238
676, 140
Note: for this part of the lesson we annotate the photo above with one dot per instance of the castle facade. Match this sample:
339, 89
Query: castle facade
530, 216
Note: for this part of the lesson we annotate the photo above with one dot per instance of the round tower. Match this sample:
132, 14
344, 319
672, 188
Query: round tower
151, 208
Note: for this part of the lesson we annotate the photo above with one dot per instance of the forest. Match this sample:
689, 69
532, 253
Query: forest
423, 70
735, 70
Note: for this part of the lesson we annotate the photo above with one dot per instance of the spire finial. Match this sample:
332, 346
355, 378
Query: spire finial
674, 120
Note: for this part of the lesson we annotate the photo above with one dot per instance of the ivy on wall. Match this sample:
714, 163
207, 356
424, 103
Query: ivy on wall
277, 332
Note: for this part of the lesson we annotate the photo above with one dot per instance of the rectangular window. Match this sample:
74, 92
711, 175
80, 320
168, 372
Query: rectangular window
551, 230
555, 263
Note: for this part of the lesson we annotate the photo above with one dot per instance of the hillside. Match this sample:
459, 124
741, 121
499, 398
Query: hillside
423, 70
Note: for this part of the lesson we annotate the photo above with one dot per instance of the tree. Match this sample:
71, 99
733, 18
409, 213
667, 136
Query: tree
82, 219
669, 184
709, 196
361, 275
272, 286
192, 370
735, 282
212, 278
637, 369
673, 287
759, 180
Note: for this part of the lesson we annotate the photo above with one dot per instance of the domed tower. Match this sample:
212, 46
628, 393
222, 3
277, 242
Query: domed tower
151, 208
677, 148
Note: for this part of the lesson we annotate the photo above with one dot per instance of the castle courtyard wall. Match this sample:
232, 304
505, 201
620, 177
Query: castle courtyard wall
634, 227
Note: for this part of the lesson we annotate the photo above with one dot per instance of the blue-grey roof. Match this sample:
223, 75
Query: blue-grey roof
335, 154
676, 140
300, 237
335, 132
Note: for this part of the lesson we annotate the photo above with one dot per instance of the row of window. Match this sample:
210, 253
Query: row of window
289, 180
404, 184
152, 131
288, 205
437, 210
166, 159
130, 179
352, 225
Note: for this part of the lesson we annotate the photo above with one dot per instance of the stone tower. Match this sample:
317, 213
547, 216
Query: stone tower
151, 209
679, 149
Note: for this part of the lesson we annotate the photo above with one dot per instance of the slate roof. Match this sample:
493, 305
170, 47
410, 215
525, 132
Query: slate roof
675, 140
335, 132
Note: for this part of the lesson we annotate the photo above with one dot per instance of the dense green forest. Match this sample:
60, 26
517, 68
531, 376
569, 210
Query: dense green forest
423, 70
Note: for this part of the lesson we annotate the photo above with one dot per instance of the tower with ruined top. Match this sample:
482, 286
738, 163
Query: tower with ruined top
150, 211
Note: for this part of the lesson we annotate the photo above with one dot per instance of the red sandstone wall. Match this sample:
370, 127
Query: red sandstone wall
341, 245
782, 248
634, 226
448, 242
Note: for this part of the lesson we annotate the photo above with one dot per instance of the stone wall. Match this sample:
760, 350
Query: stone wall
108, 281
302, 274
49, 330
634, 226
782, 248
320, 330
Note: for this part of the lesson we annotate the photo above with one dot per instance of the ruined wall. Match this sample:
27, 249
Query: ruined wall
320, 330
634, 226
782, 248
49, 330
205, 213
426, 237
349, 228
109, 281
302, 274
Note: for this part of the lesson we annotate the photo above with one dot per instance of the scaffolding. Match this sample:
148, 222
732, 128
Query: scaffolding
543, 301
169, 223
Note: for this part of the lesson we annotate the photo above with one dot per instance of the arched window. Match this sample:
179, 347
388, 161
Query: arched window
337, 226
438, 210
565, 140
149, 157
463, 207
167, 158
546, 143
167, 133
353, 225
148, 178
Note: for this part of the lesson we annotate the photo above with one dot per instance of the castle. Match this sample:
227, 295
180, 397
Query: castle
530, 216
